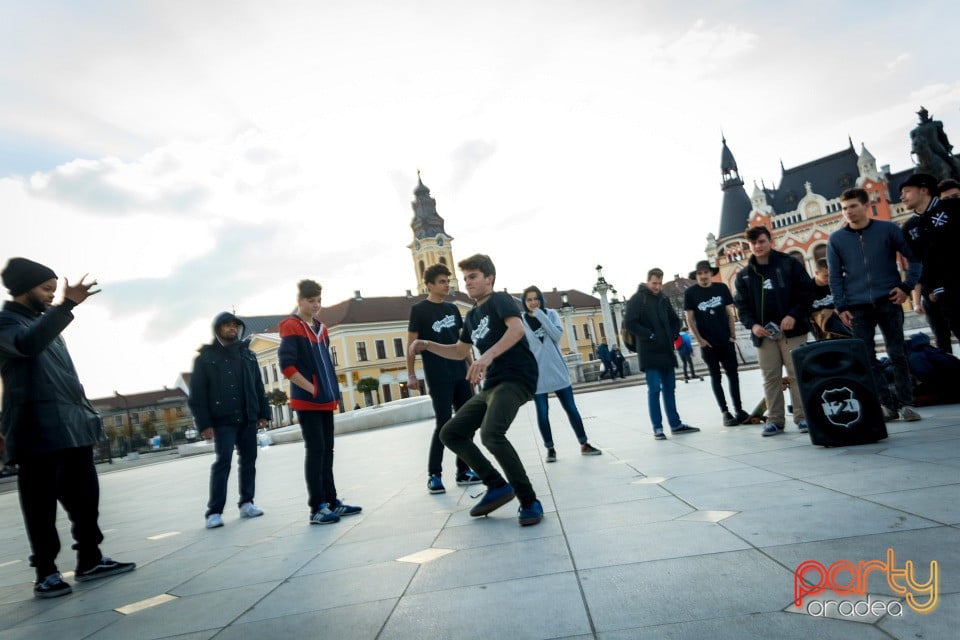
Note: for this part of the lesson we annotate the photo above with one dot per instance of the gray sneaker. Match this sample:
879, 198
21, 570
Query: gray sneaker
888, 414
908, 414
214, 520
249, 510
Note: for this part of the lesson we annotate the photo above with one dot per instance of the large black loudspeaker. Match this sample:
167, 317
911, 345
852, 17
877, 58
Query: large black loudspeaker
838, 393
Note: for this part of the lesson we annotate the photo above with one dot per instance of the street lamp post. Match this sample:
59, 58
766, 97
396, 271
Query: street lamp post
131, 454
601, 288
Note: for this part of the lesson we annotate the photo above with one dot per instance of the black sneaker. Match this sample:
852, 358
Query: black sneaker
106, 567
729, 420
468, 477
551, 455
684, 428
743, 417
52, 586
659, 435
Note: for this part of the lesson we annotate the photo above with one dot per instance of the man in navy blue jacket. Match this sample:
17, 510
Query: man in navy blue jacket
229, 405
868, 292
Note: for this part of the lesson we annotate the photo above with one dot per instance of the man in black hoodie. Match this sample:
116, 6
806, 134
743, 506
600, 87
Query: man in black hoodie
229, 405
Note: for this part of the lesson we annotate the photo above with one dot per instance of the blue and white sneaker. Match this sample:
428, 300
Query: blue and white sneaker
323, 515
771, 429
468, 477
530, 514
493, 499
435, 485
341, 509
803, 427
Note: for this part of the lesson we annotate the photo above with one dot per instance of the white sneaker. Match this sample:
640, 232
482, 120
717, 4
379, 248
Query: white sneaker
248, 510
907, 414
214, 520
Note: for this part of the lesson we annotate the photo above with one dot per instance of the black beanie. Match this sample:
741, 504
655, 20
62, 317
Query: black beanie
20, 275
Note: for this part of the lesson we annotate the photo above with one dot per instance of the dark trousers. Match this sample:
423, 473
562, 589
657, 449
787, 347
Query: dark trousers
723, 355
491, 411
70, 477
445, 396
938, 317
687, 359
565, 396
317, 429
889, 317
608, 369
225, 439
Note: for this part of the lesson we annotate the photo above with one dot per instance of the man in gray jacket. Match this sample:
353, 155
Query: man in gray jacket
49, 427
868, 292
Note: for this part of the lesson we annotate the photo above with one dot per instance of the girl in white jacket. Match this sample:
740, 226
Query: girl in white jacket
543, 330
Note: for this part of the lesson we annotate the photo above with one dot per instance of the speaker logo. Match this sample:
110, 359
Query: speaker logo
841, 407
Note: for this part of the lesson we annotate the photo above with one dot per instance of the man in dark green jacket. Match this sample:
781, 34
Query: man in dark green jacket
655, 325
49, 427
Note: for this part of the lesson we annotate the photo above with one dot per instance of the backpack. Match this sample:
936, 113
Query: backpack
627, 339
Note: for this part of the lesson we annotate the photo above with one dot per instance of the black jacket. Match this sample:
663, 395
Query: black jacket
655, 325
226, 387
791, 294
934, 237
44, 406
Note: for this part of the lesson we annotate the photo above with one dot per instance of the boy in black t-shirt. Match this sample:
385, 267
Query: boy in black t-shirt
508, 372
824, 321
712, 319
438, 320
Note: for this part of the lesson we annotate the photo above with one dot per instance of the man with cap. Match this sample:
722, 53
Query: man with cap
934, 235
48, 426
713, 320
229, 405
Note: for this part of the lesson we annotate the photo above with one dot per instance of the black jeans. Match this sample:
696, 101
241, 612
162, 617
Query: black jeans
225, 438
889, 317
446, 396
687, 359
492, 412
70, 477
317, 429
723, 355
937, 318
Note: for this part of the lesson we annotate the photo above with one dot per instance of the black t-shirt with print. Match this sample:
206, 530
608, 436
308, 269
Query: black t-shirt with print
484, 326
440, 322
822, 298
709, 306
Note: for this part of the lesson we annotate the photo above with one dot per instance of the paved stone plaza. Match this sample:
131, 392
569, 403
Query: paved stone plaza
695, 537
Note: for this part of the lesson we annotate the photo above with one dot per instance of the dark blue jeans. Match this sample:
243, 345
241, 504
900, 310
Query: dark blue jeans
446, 396
224, 440
889, 317
317, 429
723, 355
662, 381
565, 396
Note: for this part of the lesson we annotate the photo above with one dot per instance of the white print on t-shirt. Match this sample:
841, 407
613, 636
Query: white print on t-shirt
768, 284
712, 303
445, 323
825, 301
483, 328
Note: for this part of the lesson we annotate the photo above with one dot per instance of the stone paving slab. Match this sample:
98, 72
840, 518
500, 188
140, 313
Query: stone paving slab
694, 537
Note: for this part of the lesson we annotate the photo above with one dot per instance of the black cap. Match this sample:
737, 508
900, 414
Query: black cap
20, 275
922, 180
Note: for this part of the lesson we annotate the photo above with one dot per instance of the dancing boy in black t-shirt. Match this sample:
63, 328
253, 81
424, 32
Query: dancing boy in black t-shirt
508, 372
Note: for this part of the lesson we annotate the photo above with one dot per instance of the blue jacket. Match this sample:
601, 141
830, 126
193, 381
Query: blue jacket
226, 387
863, 264
305, 349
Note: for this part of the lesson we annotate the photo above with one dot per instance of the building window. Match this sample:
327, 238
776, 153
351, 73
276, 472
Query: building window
179, 412
381, 348
873, 208
333, 356
266, 375
603, 333
575, 336
118, 420
586, 331
362, 351
134, 418
398, 347
276, 374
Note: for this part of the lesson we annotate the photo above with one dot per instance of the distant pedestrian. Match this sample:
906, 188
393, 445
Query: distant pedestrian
314, 394
653, 322
603, 354
708, 307
48, 426
508, 373
229, 405
543, 330
618, 360
437, 319
773, 298
684, 346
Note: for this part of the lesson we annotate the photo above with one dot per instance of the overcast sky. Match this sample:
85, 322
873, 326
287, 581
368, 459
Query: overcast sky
200, 156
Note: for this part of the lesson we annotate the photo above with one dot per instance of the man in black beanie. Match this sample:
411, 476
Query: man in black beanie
48, 426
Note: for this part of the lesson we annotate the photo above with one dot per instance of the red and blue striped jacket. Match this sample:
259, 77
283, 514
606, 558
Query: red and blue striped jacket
306, 349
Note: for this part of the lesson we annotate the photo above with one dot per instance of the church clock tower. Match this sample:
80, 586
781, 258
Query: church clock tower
431, 245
